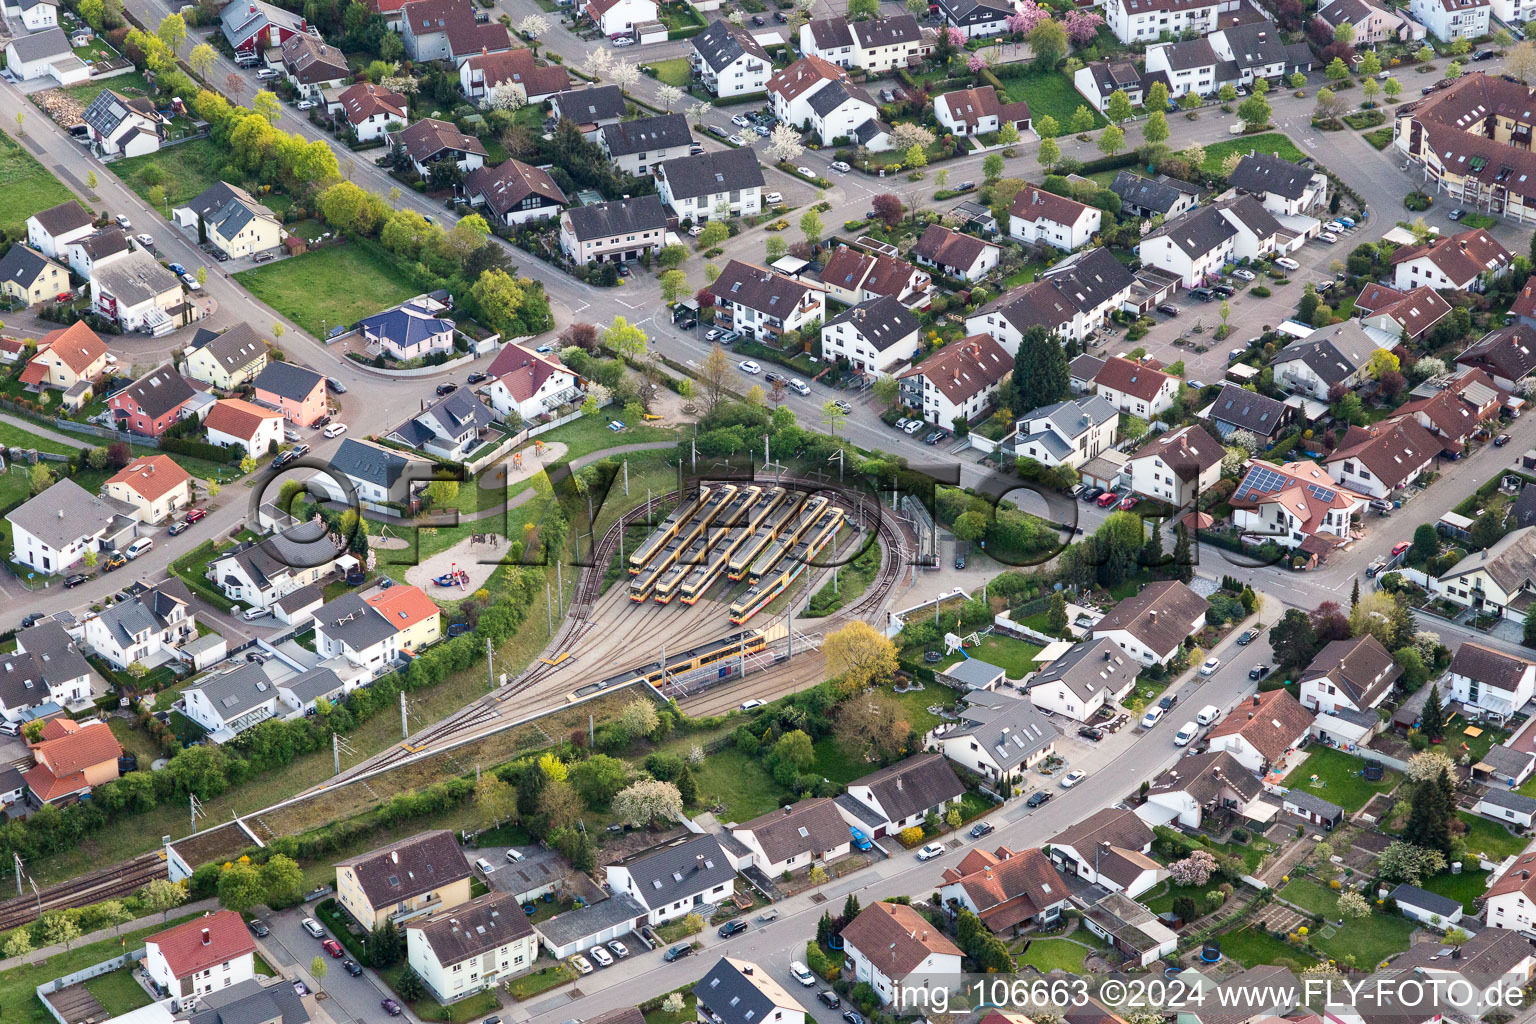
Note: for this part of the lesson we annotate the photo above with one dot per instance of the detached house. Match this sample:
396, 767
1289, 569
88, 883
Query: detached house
1490, 682
381, 478
67, 358
447, 30
997, 736
1153, 197
619, 17
1133, 388
893, 948
29, 277
729, 61
145, 628
35, 15
1510, 902
958, 381
412, 330
879, 45
377, 632
449, 428
841, 113
429, 141
51, 532
1140, 21
719, 184
1500, 580
370, 111
140, 294
471, 947
227, 360
514, 193
1064, 434
1449, 20
1080, 682
1330, 356
1458, 410
1463, 261
795, 837
403, 880
46, 667
1008, 889
1398, 315
591, 108
1177, 466
229, 703
635, 147
676, 881
1238, 408
1296, 505
154, 485
893, 798
1198, 785
50, 230
978, 19
1372, 25
1352, 674
878, 334
1508, 355
761, 304
295, 391
1383, 457
259, 573
255, 428
1152, 625
1112, 848
72, 759
620, 231
1039, 217
1262, 730
739, 992
1196, 245
853, 276
1283, 188
485, 76
964, 257
45, 53
978, 111
1100, 80
252, 27
313, 66
528, 384
202, 955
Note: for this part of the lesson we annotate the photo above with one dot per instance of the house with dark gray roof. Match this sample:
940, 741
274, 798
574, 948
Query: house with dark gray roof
472, 947
231, 219
1111, 847
52, 532
404, 879
302, 692
29, 277
901, 794
1197, 244
232, 702
578, 930
251, 1002
1284, 188
261, 572
1152, 624
1065, 433
412, 330
637, 146
794, 837
449, 428
740, 992
977, 19
589, 109
228, 359
762, 304
30, 57
1426, 907
352, 628
146, 628
380, 477
514, 192
729, 61
1505, 764
1151, 197
50, 230
998, 736
677, 880
1337, 354
1083, 680
880, 334
726, 182
620, 231
47, 665
1198, 785
124, 127
1306, 804
1237, 409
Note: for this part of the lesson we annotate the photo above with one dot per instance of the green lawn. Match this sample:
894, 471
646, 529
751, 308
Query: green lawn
686, 1015
591, 434
135, 741
541, 980
1311, 897
183, 171
674, 71
25, 187
1015, 657
1054, 955
1490, 838
1253, 948
1369, 941
12, 436
739, 782
118, 992
1050, 92
1267, 142
1339, 778
1161, 902
131, 85
18, 985
916, 703
834, 763
329, 287
1465, 887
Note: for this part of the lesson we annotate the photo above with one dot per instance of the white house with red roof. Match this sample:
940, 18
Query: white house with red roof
1457, 411
979, 111
1511, 901
1008, 889
892, 946
1262, 730
1396, 314
1455, 261
958, 381
1135, 388
1044, 218
154, 485
72, 758
369, 110
619, 17
529, 384
1177, 466
201, 956
1383, 457
65, 358
234, 421
1295, 505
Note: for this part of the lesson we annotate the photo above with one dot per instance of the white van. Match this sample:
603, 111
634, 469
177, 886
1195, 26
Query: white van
485, 866
1152, 717
1186, 734
799, 385
138, 547
513, 857
1208, 714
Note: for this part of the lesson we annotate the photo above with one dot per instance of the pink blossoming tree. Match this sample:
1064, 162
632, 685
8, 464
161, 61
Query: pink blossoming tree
1082, 26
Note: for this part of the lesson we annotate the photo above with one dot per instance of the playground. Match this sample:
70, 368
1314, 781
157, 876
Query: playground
1015, 657
521, 465
458, 572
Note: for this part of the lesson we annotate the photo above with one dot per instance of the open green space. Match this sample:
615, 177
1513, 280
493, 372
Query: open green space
1267, 142
131, 85
1160, 900
135, 741
1311, 897
1251, 948
1054, 955
917, 702
1338, 778
329, 287
687, 1014
739, 782
1490, 838
183, 171
1465, 887
1050, 92
1015, 657
835, 763
18, 986
591, 434
542, 980
673, 71
1368, 941
25, 187
118, 992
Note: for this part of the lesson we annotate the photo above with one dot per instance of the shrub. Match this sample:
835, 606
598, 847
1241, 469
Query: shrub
1259, 291
911, 837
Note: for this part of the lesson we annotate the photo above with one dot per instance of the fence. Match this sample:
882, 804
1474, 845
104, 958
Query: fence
500, 451
47, 988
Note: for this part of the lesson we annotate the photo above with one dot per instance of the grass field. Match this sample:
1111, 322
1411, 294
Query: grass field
1465, 887
1369, 940
1489, 837
118, 992
26, 187
1339, 778
328, 287
1267, 142
674, 71
1311, 896
1054, 955
688, 1013
183, 171
1160, 900
739, 782
18, 985
1252, 948
1050, 92
131, 85
835, 763
1015, 657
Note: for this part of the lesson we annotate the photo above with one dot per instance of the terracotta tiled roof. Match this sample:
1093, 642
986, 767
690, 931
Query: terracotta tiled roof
965, 368
1521, 877
940, 245
1014, 884
896, 938
76, 345
1393, 450
238, 418
523, 372
403, 606
1035, 204
1271, 723
203, 942
804, 75
1415, 312
1459, 257
362, 101
151, 476
86, 746
1129, 378
1189, 451
1299, 486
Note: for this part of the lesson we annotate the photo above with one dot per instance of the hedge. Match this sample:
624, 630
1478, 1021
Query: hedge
230, 455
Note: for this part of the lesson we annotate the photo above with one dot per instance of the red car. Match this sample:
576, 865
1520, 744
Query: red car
1129, 502
64, 297
332, 947
1400, 547
194, 514
1107, 499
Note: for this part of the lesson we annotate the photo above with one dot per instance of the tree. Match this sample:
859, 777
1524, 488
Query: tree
716, 375
624, 339
267, 105
1404, 862
888, 207
833, 416
552, 768
318, 970
18, 943
1426, 541
811, 227
646, 801
1432, 718
1156, 131
1520, 62
775, 247
672, 256
1380, 615
784, 144
59, 930
1049, 153
1392, 87
1047, 128
915, 156
173, 31
1429, 818
1111, 140
1453, 69
1382, 363
1008, 134
163, 895
1372, 89
495, 800
1119, 107
1529, 631
599, 778
1056, 615
1292, 639
872, 725
1455, 937
860, 10
1227, 93
1352, 904
1082, 120
992, 167
674, 286
240, 887
639, 717
202, 59
1041, 374
714, 233
1048, 42
1195, 869
1254, 111
1429, 764
859, 656
559, 805
40, 478
283, 880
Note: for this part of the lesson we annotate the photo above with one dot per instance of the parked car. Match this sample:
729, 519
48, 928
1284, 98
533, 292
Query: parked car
930, 851
601, 955
1088, 732
1152, 717
352, 967
619, 949
447, 387
1129, 502
1501, 441
1091, 493
1167, 702
730, 928
1400, 547
122, 222
1072, 778
335, 430
1484, 54
1382, 505
1259, 672
1243, 275
676, 953
178, 527
74, 580
1286, 263
740, 121
1186, 734
1328, 236
841, 167
806, 172
1168, 309
581, 964
852, 1018
332, 947
258, 927
1248, 637
138, 547
476, 377
1037, 798
748, 366
829, 998
390, 1006
801, 973
1208, 714
1106, 499
312, 926
335, 386
982, 828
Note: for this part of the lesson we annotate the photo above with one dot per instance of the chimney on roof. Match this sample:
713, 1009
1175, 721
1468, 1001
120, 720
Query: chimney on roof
1255, 700
207, 937
394, 856
898, 783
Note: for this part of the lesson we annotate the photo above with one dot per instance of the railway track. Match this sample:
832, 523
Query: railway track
107, 883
